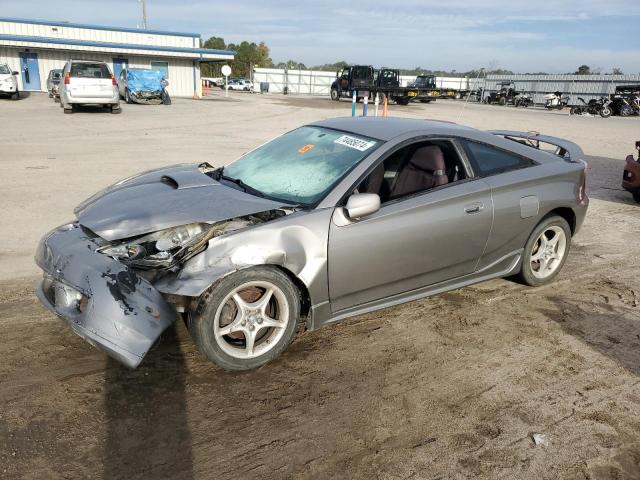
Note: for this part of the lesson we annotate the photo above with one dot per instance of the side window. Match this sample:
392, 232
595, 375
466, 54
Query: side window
414, 169
488, 160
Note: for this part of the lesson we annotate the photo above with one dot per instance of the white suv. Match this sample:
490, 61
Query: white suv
87, 82
8, 81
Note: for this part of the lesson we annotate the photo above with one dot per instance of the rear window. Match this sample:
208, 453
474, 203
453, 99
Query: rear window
361, 72
90, 70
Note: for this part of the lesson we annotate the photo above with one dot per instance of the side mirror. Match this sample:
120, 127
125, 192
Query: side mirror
15, 73
362, 204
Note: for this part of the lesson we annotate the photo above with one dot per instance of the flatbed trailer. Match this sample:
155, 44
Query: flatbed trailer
367, 82
433, 91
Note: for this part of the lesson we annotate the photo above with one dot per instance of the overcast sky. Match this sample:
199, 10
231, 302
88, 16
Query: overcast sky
524, 36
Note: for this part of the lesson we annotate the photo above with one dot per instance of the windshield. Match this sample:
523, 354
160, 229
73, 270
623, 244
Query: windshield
4, 70
303, 165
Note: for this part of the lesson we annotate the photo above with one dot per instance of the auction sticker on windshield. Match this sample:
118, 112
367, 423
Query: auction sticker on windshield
352, 142
306, 148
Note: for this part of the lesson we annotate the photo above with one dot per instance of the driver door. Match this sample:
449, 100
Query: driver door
410, 243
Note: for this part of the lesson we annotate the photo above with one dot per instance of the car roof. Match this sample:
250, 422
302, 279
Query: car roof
387, 128
86, 61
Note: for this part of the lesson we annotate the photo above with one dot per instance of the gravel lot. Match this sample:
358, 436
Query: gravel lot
444, 388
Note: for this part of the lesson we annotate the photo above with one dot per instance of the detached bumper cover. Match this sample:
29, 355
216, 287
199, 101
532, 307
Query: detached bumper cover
119, 312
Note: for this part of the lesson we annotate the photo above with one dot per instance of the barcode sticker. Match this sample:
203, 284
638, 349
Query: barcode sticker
352, 142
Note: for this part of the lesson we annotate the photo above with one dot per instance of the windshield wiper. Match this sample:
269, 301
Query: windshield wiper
241, 184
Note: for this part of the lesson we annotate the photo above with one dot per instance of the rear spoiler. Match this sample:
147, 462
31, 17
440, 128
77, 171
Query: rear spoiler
564, 148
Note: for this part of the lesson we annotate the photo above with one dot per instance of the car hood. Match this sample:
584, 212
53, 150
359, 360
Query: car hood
165, 198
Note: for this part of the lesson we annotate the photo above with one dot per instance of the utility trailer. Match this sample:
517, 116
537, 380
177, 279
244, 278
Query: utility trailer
365, 80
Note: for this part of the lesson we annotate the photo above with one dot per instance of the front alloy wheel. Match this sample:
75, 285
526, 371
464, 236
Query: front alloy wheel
247, 319
546, 251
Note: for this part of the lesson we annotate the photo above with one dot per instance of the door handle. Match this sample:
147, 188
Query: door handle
475, 208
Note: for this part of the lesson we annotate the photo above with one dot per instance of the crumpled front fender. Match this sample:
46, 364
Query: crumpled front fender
297, 243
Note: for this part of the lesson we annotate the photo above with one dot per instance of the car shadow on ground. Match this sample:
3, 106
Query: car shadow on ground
147, 433
612, 330
604, 179
91, 109
21, 96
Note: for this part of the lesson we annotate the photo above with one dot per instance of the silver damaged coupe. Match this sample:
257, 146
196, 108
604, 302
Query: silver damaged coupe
328, 221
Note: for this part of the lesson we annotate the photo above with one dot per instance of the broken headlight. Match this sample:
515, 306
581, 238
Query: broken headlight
159, 249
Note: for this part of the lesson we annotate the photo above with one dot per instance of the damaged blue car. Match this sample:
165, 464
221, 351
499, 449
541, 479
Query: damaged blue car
143, 85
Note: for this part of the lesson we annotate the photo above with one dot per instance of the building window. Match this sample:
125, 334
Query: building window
162, 66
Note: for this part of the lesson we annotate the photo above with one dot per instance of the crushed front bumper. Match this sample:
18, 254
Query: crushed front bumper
102, 300
147, 97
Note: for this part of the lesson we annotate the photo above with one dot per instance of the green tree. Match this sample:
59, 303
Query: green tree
583, 70
208, 69
617, 71
249, 55
215, 43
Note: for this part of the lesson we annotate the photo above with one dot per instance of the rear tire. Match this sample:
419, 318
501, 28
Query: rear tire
116, 110
68, 109
335, 95
127, 96
16, 95
543, 259
502, 101
220, 309
605, 112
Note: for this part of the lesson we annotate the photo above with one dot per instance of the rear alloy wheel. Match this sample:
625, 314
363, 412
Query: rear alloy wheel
545, 251
247, 319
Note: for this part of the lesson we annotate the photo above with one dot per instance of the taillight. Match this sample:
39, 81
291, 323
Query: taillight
583, 182
113, 80
67, 78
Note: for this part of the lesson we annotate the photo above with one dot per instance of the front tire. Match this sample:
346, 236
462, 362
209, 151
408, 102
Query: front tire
335, 95
247, 319
605, 112
546, 251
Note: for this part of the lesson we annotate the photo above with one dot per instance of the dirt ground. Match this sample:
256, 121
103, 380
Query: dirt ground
451, 387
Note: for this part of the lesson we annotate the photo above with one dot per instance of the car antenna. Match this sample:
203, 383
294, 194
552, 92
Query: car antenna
467, 99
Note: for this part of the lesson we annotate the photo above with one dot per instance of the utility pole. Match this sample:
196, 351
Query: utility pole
144, 13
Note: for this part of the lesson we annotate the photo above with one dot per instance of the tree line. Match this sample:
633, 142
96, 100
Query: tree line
250, 55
